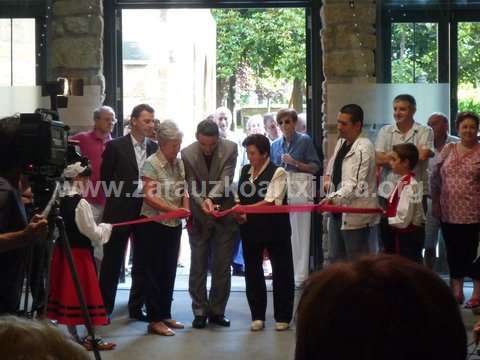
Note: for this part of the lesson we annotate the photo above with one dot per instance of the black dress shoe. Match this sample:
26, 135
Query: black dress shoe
219, 320
139, 315
199, 322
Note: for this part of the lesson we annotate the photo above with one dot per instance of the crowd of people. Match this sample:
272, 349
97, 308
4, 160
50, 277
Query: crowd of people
423, 178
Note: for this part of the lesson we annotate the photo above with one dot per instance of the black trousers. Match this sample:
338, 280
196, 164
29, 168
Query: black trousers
113, 258
159, 245
406, 244
136, 299
386, 241
461, 241
12, 272
280, 252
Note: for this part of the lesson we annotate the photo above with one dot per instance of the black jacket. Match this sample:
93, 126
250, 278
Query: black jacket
119, 168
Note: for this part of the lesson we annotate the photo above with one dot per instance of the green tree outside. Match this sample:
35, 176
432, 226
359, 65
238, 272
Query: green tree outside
415, 58
260, 50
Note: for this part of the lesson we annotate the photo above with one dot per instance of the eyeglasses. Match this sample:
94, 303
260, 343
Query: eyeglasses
286, 121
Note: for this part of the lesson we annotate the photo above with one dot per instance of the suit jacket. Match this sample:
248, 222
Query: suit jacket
119, 168
214, 183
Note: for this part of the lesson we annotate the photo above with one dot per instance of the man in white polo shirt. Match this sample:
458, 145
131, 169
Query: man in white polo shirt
405, 130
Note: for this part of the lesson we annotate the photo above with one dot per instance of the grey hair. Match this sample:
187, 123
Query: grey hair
224, 110
168, 130
102, 109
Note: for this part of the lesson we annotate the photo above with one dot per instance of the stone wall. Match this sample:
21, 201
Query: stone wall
348, 43
75, 50
76, 40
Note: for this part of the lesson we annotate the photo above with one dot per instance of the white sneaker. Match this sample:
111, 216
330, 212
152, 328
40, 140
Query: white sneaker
281, 326
257, 325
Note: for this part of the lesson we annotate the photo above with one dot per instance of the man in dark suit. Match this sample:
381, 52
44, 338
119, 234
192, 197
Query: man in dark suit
209, 168
122, 163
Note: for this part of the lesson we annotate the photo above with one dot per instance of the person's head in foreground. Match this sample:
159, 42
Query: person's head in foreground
35, 340
378, 308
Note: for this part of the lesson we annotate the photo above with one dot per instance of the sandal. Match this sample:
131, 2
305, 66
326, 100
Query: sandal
101, 344
472, 303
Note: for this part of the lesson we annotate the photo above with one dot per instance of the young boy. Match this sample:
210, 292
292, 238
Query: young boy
406, 217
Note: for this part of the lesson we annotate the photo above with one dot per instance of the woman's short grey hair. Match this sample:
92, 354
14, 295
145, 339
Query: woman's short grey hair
168, 130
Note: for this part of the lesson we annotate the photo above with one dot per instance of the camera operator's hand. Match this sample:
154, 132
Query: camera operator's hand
37, 228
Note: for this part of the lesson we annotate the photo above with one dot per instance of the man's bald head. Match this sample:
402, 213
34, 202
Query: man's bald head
439, 123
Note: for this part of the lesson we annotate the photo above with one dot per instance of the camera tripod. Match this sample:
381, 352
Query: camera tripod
55, 220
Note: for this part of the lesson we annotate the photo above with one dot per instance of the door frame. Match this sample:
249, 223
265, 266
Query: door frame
314, 74
314, 69
447, 16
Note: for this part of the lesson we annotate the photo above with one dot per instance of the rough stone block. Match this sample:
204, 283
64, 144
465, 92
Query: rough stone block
349, 63
342, 13
80, 53
76, 7
365, 79
77, 25
96, 26
58, 28
349, 39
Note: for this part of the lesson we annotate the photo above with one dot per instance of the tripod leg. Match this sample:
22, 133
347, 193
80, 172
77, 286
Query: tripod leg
68, 254
26, 280
48, 254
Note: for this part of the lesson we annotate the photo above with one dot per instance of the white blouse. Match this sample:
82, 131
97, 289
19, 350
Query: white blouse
277, 186
98, 234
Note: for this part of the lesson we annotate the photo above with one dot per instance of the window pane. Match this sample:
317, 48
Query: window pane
468, 66
414, 53
24, 52
5, 52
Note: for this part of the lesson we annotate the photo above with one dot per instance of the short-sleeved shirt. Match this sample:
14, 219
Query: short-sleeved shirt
170, 184
388, 136
12, 218
92, 146
301, 148
434, 159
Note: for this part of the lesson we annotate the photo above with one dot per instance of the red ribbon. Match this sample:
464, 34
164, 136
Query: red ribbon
264, 209
177, 214
282, 209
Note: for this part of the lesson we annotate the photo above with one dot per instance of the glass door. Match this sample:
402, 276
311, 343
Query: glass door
468, 52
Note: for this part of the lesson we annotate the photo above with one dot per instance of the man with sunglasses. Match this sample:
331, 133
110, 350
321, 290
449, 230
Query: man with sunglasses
296, 153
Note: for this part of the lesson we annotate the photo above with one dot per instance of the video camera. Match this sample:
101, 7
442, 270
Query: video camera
42, 146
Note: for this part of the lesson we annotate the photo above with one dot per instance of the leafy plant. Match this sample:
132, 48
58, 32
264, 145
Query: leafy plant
260, 49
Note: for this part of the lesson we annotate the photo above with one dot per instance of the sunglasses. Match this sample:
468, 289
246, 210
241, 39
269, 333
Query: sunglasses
287, 121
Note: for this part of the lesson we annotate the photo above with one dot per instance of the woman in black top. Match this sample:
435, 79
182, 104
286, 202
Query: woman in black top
263, 183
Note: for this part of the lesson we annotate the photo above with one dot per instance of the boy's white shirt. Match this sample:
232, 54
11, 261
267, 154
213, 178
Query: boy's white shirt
98, 234
410, 208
